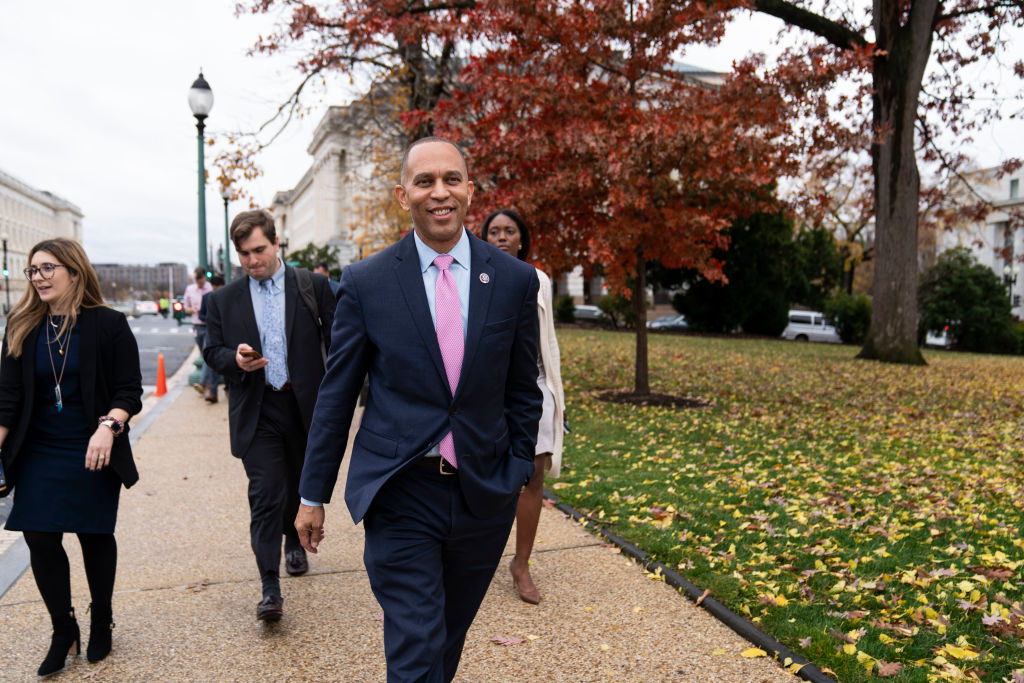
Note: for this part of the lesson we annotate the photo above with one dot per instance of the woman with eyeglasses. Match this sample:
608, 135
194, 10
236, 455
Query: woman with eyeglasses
506, 230
69, 382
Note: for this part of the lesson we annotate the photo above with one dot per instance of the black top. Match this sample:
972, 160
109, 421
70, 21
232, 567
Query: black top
110, 378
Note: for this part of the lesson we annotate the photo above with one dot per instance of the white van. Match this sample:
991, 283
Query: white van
810, 326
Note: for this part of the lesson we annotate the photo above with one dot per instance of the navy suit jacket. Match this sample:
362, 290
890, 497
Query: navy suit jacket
383, 328
231, 320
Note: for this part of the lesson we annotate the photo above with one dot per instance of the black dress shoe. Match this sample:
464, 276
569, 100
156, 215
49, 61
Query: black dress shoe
270, 608
295, 562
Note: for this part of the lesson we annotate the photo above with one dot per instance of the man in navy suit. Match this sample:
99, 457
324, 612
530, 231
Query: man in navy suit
436, 471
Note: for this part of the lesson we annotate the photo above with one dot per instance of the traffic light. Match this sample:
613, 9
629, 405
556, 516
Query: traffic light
209, 274
178, 309
7, 273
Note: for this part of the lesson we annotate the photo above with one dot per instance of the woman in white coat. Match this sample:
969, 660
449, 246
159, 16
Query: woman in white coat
506, 230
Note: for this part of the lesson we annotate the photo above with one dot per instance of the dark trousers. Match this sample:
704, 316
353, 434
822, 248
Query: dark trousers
273, 464
429, 562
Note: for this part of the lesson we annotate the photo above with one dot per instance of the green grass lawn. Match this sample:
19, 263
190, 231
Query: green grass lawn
869, 516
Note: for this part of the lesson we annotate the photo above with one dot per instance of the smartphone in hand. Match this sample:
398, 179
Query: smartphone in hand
251, 354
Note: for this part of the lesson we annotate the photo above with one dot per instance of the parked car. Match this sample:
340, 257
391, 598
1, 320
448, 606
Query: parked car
938, 339
668, 322
587, 312
810, 326
145, 308
126, 307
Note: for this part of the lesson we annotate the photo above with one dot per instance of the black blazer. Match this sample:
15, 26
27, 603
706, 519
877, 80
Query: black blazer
110, 378
230, 321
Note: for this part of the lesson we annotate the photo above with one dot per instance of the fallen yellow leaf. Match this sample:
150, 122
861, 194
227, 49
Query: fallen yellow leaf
752, 652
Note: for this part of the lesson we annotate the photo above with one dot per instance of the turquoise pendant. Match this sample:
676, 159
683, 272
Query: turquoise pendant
56, 395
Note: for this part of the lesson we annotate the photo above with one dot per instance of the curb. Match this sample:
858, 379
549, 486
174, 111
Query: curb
719, 611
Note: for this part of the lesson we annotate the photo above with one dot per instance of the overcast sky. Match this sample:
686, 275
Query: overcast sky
94, 109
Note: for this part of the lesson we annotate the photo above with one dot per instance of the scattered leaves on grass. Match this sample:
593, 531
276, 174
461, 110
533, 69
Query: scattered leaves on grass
886, 669
818, 494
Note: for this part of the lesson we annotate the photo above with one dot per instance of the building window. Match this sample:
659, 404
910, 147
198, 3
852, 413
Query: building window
1014, 188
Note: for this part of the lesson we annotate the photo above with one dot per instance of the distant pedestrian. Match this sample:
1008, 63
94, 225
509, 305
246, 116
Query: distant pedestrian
69, 382
164, 305
192, 300
322, 269
507, 230
209, 378
267, 341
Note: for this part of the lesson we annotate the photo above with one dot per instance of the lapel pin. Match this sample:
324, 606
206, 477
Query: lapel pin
485, 278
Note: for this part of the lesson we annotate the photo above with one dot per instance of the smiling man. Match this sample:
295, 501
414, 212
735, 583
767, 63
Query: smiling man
445, 326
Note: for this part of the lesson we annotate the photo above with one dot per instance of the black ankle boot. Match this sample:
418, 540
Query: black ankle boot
101, 624
66, 638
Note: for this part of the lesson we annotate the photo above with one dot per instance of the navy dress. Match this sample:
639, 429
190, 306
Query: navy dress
55, 491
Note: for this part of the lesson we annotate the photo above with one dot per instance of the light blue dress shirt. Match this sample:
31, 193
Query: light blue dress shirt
460, 270
256, 294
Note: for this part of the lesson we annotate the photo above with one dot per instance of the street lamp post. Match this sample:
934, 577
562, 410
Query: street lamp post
226, 196
7, 276
200, 100
1010, 278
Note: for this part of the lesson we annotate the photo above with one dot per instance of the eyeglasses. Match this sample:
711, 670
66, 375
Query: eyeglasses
46, 270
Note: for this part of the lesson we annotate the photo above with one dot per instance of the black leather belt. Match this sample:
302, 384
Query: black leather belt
287, 386
435, 464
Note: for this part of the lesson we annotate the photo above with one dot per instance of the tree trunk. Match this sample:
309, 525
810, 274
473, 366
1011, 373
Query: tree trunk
641, 384
898, 71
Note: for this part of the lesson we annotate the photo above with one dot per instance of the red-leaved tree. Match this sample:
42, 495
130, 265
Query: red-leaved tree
581, 118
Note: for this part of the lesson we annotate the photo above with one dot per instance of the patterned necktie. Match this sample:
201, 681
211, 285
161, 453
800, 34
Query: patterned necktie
273, 337
448, 315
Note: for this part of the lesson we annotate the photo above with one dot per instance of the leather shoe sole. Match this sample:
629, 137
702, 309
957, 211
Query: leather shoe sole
295, 562
270, 608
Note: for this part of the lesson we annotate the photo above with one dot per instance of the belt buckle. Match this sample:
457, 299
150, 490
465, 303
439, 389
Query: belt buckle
445, 467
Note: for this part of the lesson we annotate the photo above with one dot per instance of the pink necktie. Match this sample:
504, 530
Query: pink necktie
448, 315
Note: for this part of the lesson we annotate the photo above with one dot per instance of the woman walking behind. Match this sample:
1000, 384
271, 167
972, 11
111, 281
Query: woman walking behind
506, 230
69, 381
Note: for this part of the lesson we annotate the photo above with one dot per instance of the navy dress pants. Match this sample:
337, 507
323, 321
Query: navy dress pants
430, 562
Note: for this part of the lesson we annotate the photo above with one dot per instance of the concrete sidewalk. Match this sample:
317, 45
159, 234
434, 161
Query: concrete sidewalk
187, 589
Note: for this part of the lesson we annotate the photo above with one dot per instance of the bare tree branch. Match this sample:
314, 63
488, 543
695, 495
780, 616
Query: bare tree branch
834, 32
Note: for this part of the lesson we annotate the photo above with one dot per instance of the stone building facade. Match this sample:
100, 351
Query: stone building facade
28, 216
319, 209
998, 241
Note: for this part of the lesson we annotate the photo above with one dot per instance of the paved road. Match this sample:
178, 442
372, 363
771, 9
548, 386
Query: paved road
155, 336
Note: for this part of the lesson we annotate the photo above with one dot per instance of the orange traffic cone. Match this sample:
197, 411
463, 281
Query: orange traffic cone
161, 377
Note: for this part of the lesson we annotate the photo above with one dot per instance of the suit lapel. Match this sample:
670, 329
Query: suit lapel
291, 300
248, 314
410, 279
481, 285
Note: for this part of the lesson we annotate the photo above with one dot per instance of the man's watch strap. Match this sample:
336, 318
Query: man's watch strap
116, 426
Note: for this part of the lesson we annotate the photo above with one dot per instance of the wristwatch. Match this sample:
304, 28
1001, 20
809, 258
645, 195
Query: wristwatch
116, 426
